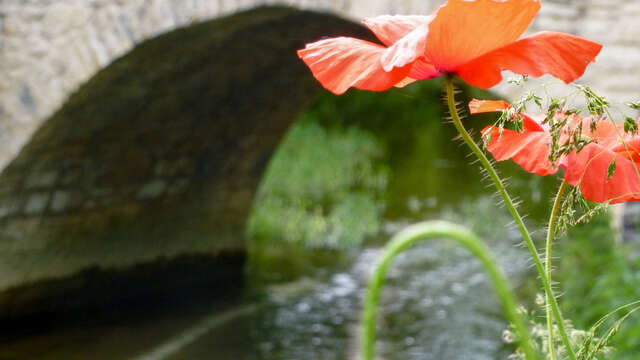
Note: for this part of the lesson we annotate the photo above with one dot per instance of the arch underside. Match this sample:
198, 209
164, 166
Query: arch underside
158, 156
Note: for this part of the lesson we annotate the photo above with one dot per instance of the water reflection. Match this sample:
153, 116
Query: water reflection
438, 303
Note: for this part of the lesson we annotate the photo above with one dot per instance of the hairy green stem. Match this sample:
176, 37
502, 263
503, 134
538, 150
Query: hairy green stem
427, 231
547, 263
512, 209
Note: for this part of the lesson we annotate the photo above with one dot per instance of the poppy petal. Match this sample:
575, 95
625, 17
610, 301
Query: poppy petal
422, 70
591, 170
608, 133
404, 82
629, 149
391, 28
529, 149
562, 55
484, 106
532, 122
343, 62
463, 30
406, 50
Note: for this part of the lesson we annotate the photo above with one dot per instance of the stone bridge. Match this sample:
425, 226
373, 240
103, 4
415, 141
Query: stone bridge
116, 157
48, 48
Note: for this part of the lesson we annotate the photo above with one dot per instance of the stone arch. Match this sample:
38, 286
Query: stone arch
158, 155
49, 48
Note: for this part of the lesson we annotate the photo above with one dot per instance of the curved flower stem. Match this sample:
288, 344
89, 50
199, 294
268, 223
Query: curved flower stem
547, 263
427, 231
512, 209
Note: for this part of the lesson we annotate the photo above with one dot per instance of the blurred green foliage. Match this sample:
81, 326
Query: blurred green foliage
596, 275
322, 188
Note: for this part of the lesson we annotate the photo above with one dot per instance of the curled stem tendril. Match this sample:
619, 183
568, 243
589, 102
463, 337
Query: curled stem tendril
429, 231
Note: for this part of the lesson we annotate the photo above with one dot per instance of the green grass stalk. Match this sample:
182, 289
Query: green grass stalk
547, 264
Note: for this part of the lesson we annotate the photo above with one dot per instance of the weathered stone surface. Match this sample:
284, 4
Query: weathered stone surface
159, 154
36, 203
152, 189
9, 205
41, 179
65, 200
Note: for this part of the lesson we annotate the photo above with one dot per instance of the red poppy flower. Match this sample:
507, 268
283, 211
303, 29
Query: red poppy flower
474, 39
607, 169
530, 148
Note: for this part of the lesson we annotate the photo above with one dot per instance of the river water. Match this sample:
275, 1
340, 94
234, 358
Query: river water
437, 304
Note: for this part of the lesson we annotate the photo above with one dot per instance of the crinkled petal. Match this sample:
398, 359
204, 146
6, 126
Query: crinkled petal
391, 28
404, 82
608, 133
529, 149
484, 106
406, 50
343, 62
532, 122
562, 55
629, 149
422, 70
589, 169
463, 30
